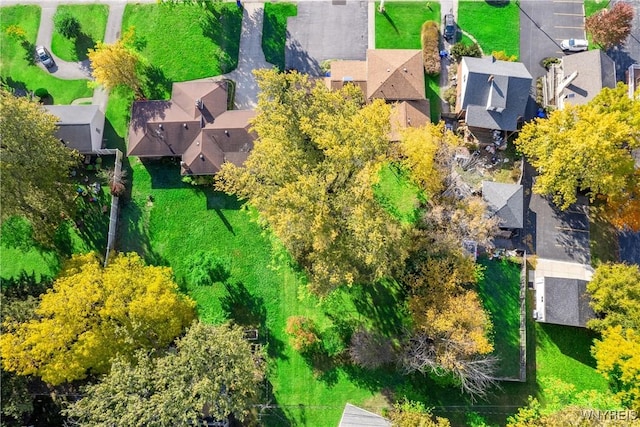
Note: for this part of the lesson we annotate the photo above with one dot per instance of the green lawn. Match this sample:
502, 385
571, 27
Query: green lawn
399, 26
15, 56
274, 31
432, 88
497, 28
593, 6
32, 261
400, 197
185, 41
93, 21
500, 294
564, 352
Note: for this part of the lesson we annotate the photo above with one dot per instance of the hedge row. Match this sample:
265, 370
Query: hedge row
430, 36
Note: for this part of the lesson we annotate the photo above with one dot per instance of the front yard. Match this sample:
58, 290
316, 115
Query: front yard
497, 28
17, 67
93, 21
399, 26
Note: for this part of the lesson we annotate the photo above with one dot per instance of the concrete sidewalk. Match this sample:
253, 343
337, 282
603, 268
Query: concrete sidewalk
569, 270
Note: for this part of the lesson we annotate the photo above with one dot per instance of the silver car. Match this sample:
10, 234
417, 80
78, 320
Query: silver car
44, 56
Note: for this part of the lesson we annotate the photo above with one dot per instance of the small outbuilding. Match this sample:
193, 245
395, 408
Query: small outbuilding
80, 127
562, 301
506, 202
352, 416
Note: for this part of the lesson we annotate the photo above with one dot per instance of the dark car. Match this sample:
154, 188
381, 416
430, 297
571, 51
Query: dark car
449, 27
44, 56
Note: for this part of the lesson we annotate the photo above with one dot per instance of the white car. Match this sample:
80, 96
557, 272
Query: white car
574, 45
44, 56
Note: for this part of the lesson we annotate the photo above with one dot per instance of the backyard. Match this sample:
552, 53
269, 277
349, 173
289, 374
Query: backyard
93, 21
399, 196
17, 67
496, 27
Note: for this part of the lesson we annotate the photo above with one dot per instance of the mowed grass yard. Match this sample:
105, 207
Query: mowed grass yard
274, 31
93, 22
15, 66
399, 196
497, 28
399, 26
499, 291
185, 41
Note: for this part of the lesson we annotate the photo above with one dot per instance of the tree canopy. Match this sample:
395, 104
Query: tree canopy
615, 296
117, 64
34, 166
212, 373
92, 314
611, 27
310, 177
587, 148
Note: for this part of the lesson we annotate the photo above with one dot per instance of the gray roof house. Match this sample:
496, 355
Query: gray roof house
562, 301
578, 78
633, 79
492, 94
80, 127
505, 201
352, 416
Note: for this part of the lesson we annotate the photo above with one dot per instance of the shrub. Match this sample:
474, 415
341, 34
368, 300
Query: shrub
205, 268
41, 92
451, 95
67, 25
16, 31
461, 49
548, 61
502, 56
430, 36
332, 342
370, 349
302, 332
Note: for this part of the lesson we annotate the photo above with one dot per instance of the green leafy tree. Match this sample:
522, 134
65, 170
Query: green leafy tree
461, 49
615, 296
67, 25
94, 313
34, 166
212, 373
311, 175
587, 147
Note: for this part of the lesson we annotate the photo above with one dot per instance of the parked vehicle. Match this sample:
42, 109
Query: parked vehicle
44, 56
574, 45
449, 27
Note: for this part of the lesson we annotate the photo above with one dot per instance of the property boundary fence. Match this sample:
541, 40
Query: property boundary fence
113, 216
523, 319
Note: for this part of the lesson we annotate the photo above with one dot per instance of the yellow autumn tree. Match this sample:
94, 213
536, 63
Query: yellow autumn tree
93, 314
311, 174
426, 151
587, 147
617, 357
117, 64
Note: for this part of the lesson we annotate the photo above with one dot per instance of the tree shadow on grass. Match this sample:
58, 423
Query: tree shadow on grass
223, 27
382, 303
82, 43
571, 341
248, 310
269, 412
393, 24
156, 85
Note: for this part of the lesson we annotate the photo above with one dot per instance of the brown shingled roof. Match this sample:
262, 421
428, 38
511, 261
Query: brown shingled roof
348, 71
395, 74
408, 114
205, 137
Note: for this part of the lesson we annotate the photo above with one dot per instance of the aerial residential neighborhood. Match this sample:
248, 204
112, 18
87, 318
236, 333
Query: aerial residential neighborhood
320, 213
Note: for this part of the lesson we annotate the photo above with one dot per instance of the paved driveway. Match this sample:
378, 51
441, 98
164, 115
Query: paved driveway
543, 24
326, 30
629, 53
558, 235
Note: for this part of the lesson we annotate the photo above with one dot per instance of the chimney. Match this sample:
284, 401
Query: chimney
199, 104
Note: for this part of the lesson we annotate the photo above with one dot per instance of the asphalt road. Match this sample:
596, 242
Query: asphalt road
543, 24
326, 30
